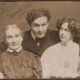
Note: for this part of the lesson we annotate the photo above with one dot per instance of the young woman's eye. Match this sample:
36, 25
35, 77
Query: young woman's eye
67, 30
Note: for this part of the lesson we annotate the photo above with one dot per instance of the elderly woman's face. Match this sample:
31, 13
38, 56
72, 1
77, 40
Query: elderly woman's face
64, 33
13, 38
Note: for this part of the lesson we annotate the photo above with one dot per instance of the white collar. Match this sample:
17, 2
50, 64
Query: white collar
18, 50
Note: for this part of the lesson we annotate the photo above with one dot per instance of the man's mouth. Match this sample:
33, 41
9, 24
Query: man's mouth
40, 33
14, 44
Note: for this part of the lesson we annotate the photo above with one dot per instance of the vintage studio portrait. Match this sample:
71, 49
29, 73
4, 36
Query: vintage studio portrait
39, 39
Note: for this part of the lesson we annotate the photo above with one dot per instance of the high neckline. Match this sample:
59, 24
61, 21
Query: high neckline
18, 50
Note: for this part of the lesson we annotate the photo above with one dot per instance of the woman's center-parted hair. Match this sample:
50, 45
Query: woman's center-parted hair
12, 26
72, 25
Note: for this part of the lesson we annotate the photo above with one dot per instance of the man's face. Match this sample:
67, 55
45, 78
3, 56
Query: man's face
65, 33
39, 26
13, 38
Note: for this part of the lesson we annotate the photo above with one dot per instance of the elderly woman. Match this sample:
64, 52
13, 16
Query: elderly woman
17, 63
61, 60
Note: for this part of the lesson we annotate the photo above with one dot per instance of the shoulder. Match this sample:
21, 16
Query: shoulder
76, 46
4, 55
29, 54
4, 52
53, 47
3, 46
26, 33
49, 51
35, 59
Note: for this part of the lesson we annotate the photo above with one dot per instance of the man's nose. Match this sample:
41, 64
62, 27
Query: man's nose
40, 28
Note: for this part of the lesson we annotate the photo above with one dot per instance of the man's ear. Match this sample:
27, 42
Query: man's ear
48, 23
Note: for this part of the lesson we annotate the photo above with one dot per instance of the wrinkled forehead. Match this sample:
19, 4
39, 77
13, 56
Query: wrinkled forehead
12, 30
11, 27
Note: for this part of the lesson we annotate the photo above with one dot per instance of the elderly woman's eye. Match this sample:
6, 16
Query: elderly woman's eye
8, 37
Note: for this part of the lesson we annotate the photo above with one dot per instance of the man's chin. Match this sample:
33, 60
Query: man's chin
40, 36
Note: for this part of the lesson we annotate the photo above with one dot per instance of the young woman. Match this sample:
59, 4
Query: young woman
62, 59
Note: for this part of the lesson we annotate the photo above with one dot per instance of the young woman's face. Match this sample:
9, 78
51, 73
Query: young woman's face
64, 33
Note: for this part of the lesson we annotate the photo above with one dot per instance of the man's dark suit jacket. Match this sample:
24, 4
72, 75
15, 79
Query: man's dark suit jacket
51, 38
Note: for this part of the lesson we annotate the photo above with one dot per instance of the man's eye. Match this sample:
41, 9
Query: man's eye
17, 36
36, 25
43, 24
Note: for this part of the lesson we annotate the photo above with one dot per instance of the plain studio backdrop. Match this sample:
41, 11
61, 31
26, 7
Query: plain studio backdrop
15, 12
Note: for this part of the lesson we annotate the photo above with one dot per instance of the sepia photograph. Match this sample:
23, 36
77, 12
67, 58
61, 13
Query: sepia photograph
39, 39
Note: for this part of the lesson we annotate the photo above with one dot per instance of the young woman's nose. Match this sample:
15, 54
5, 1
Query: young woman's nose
62, 32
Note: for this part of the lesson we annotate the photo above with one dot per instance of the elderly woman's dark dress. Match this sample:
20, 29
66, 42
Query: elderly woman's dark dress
22, 65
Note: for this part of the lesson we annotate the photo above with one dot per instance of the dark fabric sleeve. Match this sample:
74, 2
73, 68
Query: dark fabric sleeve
24, 42
3, 47
1, 68
37, 68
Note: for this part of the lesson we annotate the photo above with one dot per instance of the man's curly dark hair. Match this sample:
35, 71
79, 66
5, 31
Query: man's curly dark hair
36, 13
